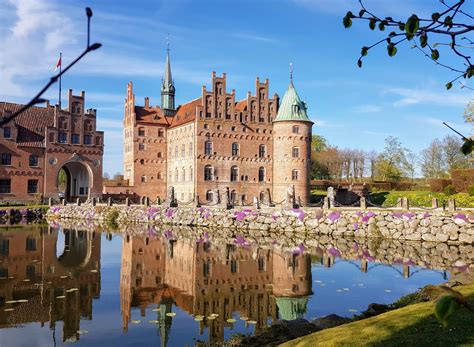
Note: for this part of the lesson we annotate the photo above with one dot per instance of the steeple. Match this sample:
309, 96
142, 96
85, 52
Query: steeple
291, 107
167, 87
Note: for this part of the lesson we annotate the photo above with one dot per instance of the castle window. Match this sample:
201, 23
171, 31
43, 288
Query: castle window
183, 175
233, 128
206, 126
208, 148
159, 176
190, 149
143, 179
176, 178
7, 132
183, 150
209, 196
160, 155
233, 196
6, 159
190, 173
176, 151
261, 264
235, 149
33, 160
219, 127
141, 131
206, 268
141, 146
5, 186
161, 133
142, 161
30, 244
32, 186
75, 139
261, 174
51, 137
261, 151
234, 173
62, 137
208, 173
295, 153
233, 266
296, 108
294, 175
296, 129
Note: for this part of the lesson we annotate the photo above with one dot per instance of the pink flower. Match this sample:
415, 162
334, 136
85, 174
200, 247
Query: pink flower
356, 226
169, 213
334, 216
426, 215
168, 234
299, 250
241, 241
334, 252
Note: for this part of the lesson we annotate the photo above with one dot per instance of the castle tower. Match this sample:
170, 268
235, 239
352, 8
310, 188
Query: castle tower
167, 88
291, 148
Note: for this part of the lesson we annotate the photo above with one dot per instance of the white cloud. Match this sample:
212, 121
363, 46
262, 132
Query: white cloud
412, 96
369, 108
255, 37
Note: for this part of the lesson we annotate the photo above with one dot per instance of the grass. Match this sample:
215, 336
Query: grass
420, 198
18, 207
412, 325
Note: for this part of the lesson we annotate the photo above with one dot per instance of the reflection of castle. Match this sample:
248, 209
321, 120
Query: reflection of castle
49, 288
203, 279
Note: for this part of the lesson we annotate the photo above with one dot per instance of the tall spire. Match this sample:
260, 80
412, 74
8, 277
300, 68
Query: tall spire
167, 87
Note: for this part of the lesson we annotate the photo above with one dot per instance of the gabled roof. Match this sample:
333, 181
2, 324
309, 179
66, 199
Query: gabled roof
153, 115
31, 123
291, 107
186, 113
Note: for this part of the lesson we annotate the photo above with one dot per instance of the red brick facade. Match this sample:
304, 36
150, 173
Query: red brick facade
215, 143
39, 142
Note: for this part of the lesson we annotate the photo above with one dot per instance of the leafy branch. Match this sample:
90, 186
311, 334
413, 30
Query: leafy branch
37, 98
424, 33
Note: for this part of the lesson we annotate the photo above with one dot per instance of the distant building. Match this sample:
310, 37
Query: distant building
252, 147
37, 144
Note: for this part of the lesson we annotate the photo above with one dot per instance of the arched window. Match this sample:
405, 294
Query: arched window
208, 173
233, 196
234, 173
209, 195
159, 176
183, 150
143, 179
296, 129
294, 175
208, 147
261, 151
295, 153
235, 149
261, 174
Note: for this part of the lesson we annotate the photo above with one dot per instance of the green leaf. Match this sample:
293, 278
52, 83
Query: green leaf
347, 20
435, 16
448, 21
359, 63
423, 40
445, 307
449, 85
470, 71
391, 49
412, 25
364, 50
372, 23
381, 26
410, 36
361, 13
467, 146
434, 54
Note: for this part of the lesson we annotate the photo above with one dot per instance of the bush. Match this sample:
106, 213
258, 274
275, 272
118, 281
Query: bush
449, 190
470, 190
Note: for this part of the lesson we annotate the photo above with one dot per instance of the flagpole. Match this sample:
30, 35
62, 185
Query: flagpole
60, 64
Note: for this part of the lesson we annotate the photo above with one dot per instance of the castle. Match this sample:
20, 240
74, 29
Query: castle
215, 145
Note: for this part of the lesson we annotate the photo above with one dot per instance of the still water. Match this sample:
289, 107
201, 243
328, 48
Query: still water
94, 289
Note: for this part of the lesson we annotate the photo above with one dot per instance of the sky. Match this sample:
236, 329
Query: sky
403, 96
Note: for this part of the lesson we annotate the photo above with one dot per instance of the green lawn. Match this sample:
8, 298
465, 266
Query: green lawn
413, 325
420, 198
19, 207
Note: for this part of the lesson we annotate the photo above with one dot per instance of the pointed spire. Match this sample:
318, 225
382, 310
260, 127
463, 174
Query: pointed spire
168, 80
291, 107
167, 87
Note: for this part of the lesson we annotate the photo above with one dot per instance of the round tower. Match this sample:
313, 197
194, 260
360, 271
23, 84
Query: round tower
292, 148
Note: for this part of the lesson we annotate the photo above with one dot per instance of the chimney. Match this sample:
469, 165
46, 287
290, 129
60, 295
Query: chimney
147, 103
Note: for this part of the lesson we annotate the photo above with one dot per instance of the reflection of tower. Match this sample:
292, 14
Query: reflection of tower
291, 283
164, 321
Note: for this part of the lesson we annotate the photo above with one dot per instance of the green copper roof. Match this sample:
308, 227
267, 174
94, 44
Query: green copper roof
291, 308
291, 107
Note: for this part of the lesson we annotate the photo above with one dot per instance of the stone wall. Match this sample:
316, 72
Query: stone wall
438, 226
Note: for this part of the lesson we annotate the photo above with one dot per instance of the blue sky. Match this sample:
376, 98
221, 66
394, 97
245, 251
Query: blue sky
351, 107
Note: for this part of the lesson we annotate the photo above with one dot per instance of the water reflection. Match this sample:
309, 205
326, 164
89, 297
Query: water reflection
38, 286
212, 281
182, 278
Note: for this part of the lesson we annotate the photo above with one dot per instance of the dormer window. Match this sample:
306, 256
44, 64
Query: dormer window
7, 133
296, 108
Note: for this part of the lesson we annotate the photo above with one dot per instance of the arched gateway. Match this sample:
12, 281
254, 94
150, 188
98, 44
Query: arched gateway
74, 181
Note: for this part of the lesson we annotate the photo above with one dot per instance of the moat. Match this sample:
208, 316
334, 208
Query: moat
169, 287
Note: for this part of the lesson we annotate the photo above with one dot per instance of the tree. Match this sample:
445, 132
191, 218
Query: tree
432, 160
391, 164
454, 159
444, 29
469, 113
